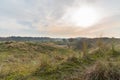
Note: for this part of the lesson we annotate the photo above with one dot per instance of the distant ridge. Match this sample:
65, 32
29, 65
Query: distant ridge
47, 39
14, 38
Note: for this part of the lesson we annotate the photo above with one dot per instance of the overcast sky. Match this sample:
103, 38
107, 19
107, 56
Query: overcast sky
46, 18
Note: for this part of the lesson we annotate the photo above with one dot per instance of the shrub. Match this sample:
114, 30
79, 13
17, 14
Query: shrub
103, 71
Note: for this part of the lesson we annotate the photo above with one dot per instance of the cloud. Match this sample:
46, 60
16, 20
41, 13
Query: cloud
44, 18
109, 27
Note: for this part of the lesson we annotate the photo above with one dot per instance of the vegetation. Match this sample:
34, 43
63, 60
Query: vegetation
51, 61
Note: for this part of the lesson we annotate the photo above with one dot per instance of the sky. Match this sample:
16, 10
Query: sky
54, 18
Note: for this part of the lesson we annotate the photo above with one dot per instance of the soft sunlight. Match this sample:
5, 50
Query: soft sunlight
85, 16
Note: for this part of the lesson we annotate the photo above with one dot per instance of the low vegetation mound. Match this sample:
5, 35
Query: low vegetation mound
48, 61
103, 71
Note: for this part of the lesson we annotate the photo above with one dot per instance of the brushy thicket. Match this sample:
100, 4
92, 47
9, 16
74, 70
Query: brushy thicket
103, 71
46, 61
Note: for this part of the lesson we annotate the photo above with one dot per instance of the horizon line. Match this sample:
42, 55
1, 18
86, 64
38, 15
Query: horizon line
56, 37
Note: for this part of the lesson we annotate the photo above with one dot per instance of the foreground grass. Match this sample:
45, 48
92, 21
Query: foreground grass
40, 61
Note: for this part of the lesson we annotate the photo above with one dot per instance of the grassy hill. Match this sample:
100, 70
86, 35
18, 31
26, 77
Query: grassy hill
20, 59
49, 61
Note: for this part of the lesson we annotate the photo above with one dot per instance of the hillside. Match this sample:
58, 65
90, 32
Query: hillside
20, 59
49, 61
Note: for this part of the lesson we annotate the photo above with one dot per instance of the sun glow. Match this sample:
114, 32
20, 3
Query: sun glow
85, 16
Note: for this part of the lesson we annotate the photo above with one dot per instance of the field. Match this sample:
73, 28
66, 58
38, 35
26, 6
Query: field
52, 61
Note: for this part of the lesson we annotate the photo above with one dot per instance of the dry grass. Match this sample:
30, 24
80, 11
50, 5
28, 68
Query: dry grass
44, 61
103, 71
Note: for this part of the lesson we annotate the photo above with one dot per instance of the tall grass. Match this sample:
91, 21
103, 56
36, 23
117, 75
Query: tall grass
37, 61
103, 71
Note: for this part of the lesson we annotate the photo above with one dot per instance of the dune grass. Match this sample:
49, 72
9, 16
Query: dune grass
46, 61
